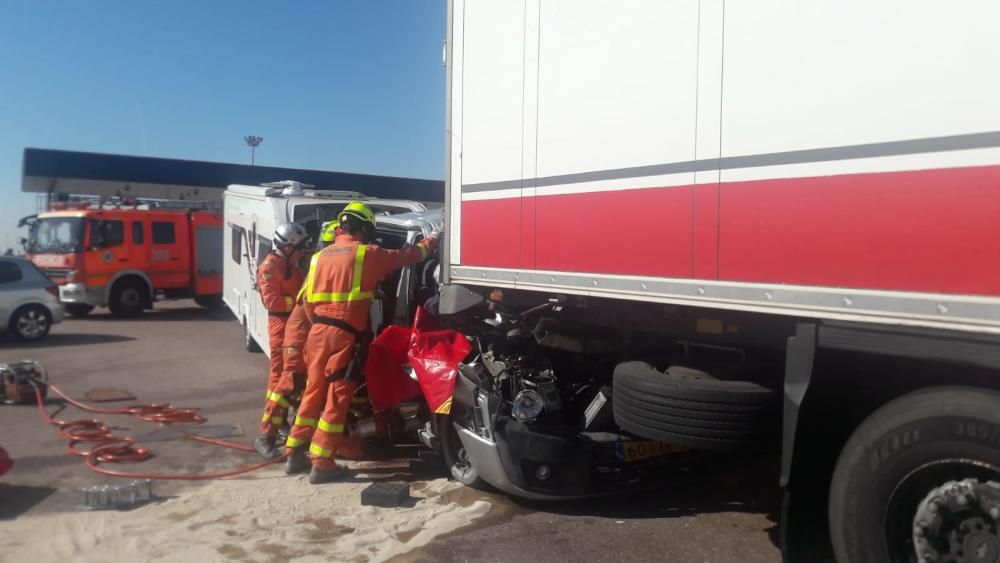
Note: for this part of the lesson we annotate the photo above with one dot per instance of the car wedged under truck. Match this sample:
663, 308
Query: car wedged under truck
750, 227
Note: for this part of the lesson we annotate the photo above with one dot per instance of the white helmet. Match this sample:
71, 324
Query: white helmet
290, 234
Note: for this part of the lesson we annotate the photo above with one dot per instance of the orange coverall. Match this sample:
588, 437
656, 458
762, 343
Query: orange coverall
340, 285
293, 376
279, 280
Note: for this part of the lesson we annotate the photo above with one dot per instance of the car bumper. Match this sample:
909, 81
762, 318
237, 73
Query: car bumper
79, 293
58, 313
573, 467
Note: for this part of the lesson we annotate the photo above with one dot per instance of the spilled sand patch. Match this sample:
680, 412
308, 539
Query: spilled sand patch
265, 518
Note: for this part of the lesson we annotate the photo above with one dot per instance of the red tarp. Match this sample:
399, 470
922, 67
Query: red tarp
434, 355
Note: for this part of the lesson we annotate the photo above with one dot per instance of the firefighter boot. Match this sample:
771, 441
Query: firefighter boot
319, 476
297, 462
264, 445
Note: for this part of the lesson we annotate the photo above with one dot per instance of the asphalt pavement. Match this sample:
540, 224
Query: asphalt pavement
192, 357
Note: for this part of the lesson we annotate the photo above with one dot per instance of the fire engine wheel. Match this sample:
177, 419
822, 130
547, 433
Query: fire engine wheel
126, 299
919, 480
455, 459
30, 322
248, 342
691, 408
79, 310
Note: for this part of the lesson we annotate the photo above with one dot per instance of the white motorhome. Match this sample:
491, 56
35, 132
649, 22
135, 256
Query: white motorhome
251, 215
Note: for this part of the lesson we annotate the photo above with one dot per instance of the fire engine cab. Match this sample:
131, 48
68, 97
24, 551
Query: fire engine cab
125, 258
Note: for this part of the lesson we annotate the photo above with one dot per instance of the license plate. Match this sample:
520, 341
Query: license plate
635, 451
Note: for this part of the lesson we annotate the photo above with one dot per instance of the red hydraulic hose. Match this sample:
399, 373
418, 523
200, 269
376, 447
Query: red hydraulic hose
108, 448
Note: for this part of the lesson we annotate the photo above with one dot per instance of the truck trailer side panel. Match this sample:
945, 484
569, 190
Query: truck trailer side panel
776, 156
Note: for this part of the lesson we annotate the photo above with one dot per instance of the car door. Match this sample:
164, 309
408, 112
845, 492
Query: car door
10, 289
109, 251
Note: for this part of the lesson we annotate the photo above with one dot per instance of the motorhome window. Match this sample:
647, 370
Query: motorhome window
163, 232
237, 244
9, 272
114, 232
137, 232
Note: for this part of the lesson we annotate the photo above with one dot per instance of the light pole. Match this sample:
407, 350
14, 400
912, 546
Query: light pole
252, 141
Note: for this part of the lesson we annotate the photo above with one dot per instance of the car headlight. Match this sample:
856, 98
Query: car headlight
528, 404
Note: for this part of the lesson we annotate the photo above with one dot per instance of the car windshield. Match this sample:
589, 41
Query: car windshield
56, 234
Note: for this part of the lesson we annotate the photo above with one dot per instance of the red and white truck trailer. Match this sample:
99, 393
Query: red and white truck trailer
745, 226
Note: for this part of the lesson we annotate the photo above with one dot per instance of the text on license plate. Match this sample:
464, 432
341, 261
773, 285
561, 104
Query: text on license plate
634, 451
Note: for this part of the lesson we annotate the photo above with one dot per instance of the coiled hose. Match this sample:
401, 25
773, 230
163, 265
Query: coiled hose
108, 448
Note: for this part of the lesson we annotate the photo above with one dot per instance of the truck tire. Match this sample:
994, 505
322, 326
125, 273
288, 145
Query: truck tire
127, 298
249, 344
903, 456
78, 310
691, 408
459, 467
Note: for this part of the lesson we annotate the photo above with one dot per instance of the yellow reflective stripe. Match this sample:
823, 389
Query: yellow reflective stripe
359, 266
354, 295
293, 442
310, 277
331, 428
272, 396
320, 452
276, 420
444, 408
301, 421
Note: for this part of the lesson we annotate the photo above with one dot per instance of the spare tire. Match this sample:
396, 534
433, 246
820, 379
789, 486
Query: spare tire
691, 408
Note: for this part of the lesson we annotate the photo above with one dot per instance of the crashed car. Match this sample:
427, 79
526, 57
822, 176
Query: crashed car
509, 397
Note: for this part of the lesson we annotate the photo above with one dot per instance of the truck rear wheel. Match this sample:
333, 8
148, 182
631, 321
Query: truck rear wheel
919, 480
691, 408
78, 310
127, 298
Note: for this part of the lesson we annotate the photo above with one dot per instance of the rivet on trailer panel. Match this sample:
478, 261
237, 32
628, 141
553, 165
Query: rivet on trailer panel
848, 301
594, 282
942, 308
769, 296
701, 291
644, 286
552, 279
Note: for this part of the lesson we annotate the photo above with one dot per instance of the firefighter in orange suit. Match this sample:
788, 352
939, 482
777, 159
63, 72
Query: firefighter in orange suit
278, 280
338, 292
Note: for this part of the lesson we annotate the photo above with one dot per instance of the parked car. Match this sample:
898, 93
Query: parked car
29, 300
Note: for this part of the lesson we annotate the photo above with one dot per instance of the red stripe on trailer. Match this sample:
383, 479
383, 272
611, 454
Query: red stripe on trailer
924, 230
491, 232
706, 231
645, 231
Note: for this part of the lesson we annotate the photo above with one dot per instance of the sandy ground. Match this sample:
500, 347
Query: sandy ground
268, 517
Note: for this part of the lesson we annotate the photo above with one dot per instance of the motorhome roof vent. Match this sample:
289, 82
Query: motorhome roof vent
288, 187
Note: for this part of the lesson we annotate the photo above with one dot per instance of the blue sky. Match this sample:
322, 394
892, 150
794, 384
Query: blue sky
333, 85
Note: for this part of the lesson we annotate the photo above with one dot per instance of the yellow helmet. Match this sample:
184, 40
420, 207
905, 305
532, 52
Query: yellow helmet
360, 211
329, 231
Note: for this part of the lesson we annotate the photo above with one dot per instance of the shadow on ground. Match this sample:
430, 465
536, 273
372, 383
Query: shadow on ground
171, 314
15, 500
60, 339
